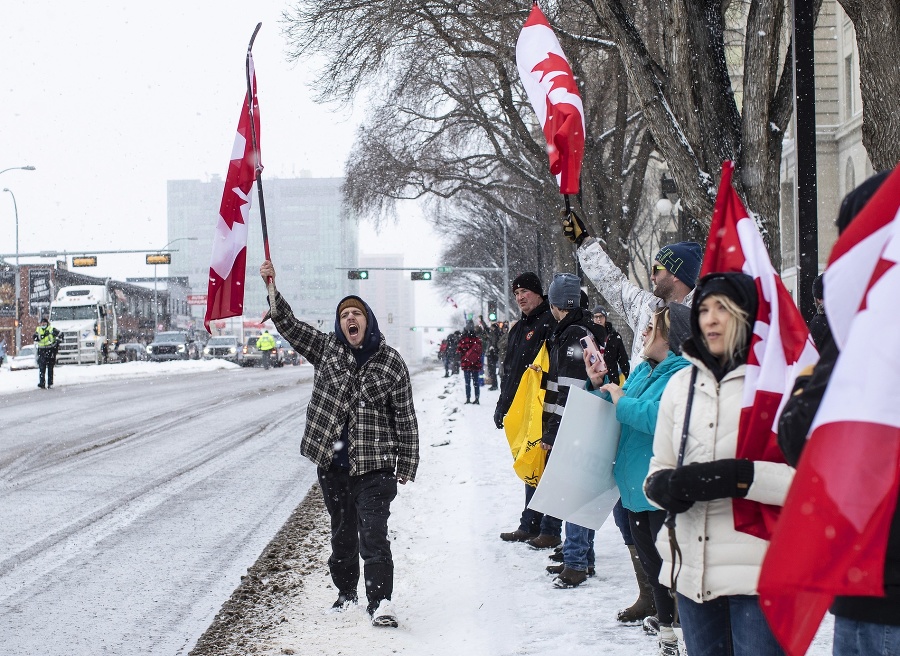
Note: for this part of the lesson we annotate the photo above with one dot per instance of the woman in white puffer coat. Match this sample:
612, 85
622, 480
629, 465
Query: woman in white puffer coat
717, 573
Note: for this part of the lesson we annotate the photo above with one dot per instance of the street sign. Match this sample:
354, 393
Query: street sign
196, 299
159, 258
86, 261
444, 269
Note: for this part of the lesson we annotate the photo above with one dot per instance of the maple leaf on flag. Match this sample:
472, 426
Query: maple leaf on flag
227, 269
780, 346
553, 93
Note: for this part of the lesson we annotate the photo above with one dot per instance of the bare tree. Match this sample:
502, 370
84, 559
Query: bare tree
678, 69
449, 121
877, 24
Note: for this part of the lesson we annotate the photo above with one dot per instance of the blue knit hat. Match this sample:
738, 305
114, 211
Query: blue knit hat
565, 291
683, 260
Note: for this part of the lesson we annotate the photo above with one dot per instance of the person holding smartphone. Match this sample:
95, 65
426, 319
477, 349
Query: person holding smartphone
637, 405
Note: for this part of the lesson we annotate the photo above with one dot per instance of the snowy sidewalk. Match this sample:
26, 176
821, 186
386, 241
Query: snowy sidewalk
459, 589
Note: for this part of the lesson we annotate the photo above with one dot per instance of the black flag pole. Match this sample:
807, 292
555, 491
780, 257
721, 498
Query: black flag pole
270, 283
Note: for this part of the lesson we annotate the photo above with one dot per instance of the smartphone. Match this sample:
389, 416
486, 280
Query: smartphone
590, 347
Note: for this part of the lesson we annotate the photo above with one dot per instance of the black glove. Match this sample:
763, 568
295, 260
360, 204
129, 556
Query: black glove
657, 490
498, 418
705, 481
573, 228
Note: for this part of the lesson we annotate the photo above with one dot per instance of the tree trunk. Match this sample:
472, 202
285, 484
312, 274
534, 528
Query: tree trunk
877, 24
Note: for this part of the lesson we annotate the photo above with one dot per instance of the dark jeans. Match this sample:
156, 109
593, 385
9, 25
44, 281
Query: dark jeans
359, 507
855, 638
620, 516
534, 522
472, 377
266, 358
727, 626
46, 362
644, 528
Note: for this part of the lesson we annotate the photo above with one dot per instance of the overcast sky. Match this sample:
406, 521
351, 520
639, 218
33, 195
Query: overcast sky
108, 100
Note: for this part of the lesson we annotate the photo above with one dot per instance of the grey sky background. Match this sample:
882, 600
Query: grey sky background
111, 99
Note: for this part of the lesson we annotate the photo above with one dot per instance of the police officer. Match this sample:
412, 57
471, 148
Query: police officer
265, 344
46, 337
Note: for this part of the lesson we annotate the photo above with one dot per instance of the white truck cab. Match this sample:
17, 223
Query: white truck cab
86, 319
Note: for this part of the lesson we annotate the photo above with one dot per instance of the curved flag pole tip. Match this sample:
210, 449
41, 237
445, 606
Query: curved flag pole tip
270, 283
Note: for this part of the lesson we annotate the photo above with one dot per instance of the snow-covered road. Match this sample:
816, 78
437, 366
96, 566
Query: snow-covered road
130, 508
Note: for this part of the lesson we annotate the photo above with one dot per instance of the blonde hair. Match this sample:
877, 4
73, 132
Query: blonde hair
737, 332
662, 323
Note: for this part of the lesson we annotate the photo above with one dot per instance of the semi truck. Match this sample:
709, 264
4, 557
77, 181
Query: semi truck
85, 316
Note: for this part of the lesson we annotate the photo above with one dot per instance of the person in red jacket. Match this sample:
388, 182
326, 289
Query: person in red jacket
469, 350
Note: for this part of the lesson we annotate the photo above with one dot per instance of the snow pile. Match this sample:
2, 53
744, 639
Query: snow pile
26, 379
458, 587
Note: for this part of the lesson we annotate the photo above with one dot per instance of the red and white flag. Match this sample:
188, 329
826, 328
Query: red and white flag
833, 536
227, 268
553, 93
780, 347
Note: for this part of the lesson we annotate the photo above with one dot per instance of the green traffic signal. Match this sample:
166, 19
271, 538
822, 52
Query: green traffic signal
492, 311
358, 274
420, 275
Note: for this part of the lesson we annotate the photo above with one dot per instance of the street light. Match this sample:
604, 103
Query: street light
18, 286
20, 168
156, 281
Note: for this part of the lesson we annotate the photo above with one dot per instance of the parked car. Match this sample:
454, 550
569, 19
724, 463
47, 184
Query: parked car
132, 352
226, 347
173, 345
26, 358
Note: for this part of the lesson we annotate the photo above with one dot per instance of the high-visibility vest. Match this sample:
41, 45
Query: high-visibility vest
46, 337
265, 342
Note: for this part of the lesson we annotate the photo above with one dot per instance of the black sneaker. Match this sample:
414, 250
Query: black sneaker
382, 613
344, 600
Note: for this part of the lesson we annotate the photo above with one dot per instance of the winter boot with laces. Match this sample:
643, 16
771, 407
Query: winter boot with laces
644, 606
558, 569
544, 541
517, 536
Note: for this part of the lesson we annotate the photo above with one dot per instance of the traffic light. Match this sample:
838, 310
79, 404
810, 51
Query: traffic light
420, 275
358, 274
84, 261
159, 258
492, 311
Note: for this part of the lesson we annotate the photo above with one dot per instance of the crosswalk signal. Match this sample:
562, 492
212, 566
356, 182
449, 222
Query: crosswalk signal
420, 275
492, 311
358, 274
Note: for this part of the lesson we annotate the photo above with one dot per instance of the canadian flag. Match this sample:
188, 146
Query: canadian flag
833, 534
553, 93
780, 347
227, 268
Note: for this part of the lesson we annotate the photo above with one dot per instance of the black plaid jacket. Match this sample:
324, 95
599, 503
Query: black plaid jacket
375, 401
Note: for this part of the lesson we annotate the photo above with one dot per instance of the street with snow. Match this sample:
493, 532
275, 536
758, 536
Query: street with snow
136, 496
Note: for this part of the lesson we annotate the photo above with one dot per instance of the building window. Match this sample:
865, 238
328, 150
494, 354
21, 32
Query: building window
849, 86
788, 230
849, 177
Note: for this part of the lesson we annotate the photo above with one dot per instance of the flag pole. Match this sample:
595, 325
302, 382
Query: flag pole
270, 283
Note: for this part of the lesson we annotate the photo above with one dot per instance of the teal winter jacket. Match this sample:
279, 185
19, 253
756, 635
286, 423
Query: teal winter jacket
637, 411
